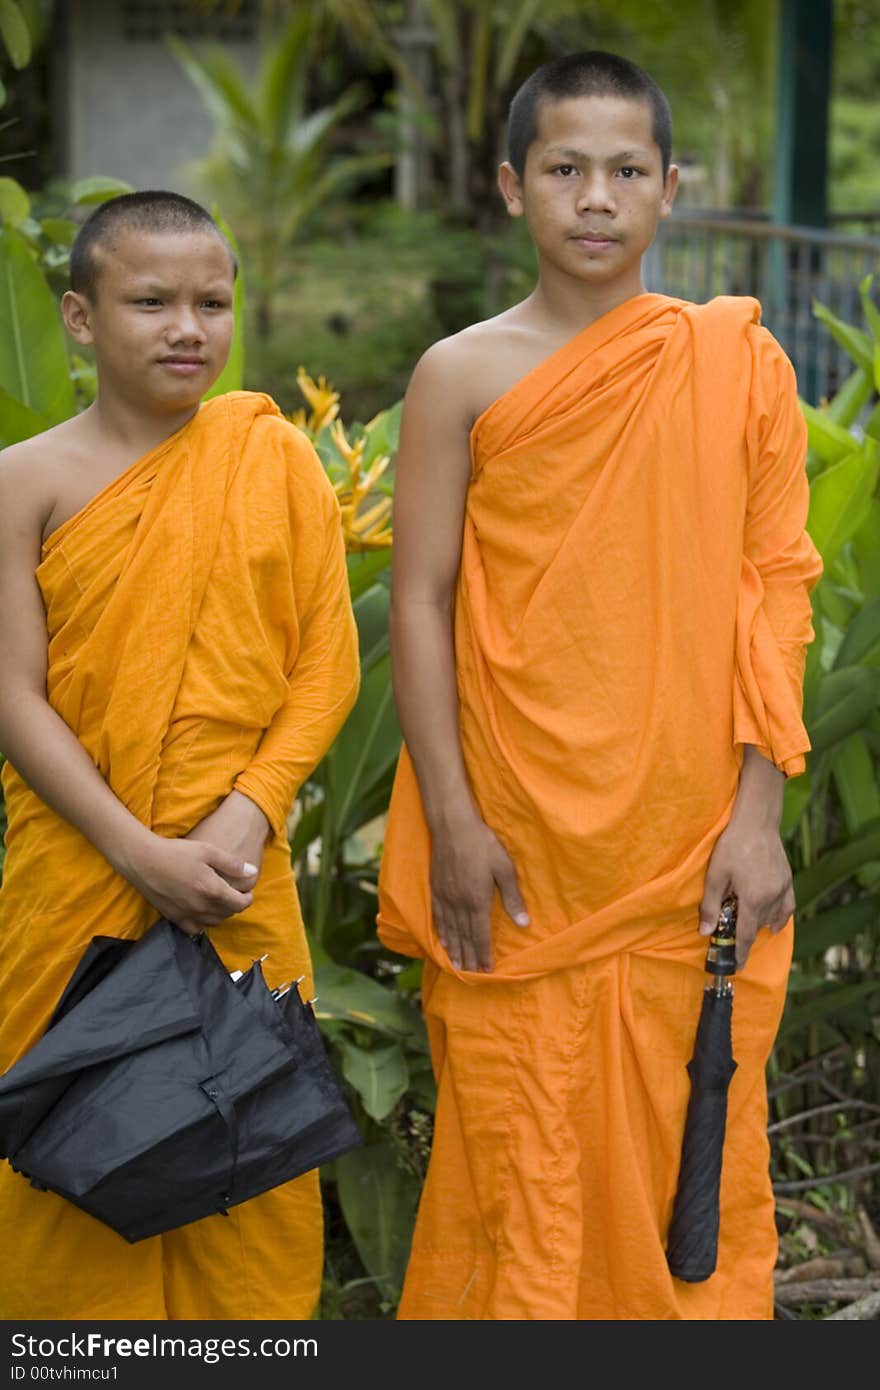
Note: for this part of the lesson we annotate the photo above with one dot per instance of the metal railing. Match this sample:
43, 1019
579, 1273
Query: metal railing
787, 268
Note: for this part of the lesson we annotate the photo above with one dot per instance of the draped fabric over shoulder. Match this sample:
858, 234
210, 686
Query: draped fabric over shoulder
632, 608
200, 639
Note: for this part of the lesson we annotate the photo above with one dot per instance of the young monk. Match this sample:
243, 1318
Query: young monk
177, 651
600, 611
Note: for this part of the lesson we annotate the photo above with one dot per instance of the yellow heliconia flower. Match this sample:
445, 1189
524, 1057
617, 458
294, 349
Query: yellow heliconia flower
323, 400
367, 530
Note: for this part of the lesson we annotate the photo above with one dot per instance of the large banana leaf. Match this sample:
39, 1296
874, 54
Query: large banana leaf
854, 341
33, 358
839, 1004
850, 400
351, 997
826, 438
379, 1197
379, 1074
861, 642
17, 421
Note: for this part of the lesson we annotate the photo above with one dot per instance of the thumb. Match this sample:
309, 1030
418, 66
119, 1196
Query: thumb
508, 886
229, 865
713, 893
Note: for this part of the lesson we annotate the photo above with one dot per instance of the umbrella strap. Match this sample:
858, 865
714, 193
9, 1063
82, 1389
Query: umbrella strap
226, 1111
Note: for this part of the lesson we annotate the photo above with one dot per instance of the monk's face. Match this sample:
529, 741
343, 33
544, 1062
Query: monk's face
593, 188
161, 318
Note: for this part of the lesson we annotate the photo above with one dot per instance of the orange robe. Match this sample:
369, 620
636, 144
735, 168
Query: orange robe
632, 607
200, 638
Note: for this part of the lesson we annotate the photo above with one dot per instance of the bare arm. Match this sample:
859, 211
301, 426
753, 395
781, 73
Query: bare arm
433, 470
181, 879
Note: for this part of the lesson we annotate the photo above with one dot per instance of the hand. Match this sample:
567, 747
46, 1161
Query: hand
467, 862
748, 859
190, 882
238, 826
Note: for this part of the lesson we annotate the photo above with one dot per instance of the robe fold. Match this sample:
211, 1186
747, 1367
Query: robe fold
201, 639
632, 608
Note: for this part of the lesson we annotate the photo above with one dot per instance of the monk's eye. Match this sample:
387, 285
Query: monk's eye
565, 170
148, 302
628, 172
214, 304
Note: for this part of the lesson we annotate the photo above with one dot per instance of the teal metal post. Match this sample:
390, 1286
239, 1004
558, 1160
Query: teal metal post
800, 166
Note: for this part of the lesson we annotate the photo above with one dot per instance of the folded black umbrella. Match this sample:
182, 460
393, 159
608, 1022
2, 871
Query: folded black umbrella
692, 1247
163, 1090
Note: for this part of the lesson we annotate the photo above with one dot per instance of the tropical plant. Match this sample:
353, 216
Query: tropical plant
271, 169
832, 814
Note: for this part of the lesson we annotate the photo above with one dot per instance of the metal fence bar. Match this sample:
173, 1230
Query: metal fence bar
697, 257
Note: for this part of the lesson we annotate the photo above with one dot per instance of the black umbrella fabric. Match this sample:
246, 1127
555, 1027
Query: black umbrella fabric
692, 1247
163, 1090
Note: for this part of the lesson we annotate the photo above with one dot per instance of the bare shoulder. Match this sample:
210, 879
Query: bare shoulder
28, 476
472, 369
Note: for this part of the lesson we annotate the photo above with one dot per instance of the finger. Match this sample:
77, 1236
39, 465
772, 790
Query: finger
746, 930
228, 902
469, 960
504, 874
229, 865
481, 939
714, 889
439, 923
783, 915
453, 943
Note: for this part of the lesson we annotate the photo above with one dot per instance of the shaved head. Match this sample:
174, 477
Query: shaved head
594, 73
151, 212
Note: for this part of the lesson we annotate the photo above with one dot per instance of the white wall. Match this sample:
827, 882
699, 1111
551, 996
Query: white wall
129, 109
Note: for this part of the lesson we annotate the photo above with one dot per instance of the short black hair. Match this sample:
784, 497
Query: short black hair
594, 73
154, 210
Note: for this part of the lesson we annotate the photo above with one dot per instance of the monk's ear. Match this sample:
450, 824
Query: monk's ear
76, 310
670, 188
511, 189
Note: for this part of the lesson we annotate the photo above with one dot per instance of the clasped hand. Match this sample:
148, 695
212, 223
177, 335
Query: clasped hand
748, 859
210, 874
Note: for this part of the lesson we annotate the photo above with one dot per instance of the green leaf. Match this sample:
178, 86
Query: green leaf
97, 190
15, 205
872, 314
368, 745
383, 433
33, 358
795, 797
866, 548
855, 775
61, 230
379, 1200
355, 998
828, 439
813, 936
232, 376
844, 700
861, 643
18, 421
363, 570
378, 1074
847, 404
835, 866
840, 499
841, 1003
853, 340
15, 34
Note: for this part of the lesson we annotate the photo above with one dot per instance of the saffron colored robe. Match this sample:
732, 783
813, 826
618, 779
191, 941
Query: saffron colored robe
200, 639
632, 608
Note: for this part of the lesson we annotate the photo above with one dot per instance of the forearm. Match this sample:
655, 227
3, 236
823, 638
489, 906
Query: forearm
426, 697
758, 800
50, 758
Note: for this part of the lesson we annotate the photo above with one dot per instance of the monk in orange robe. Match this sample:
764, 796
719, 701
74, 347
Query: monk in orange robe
600, 613
178, 651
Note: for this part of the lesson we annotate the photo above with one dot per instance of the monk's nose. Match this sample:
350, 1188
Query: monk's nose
187, 327
596, 195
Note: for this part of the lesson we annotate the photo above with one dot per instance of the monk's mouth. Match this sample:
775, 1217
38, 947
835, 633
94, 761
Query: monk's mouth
183, 366
595, 243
